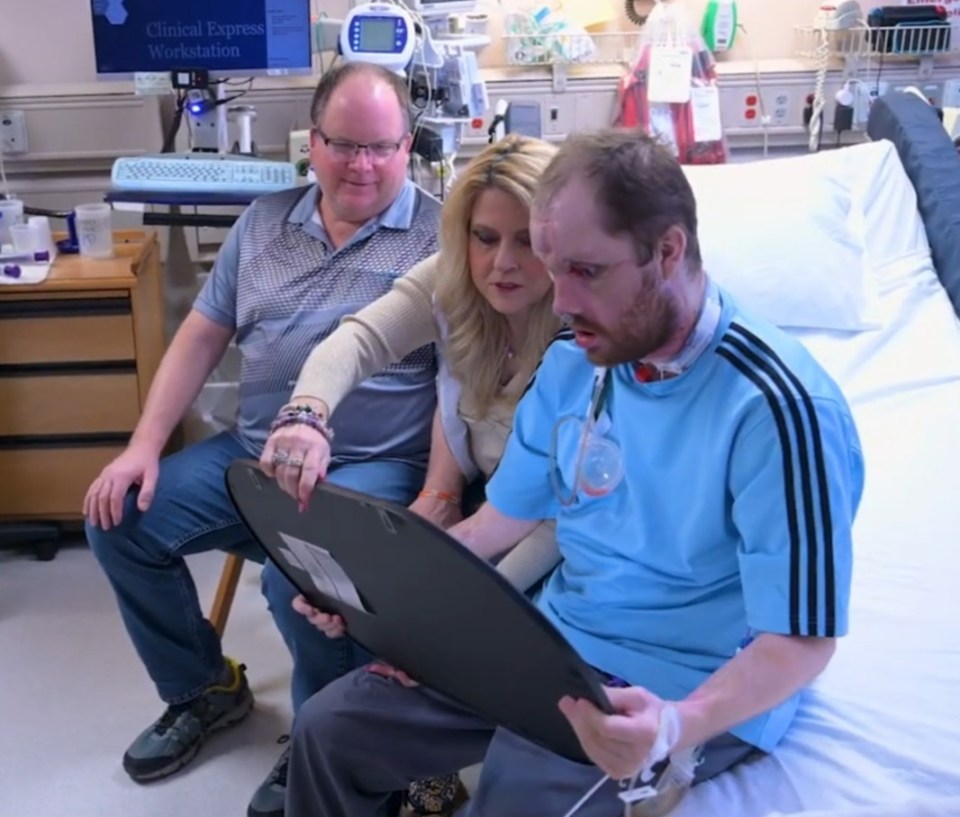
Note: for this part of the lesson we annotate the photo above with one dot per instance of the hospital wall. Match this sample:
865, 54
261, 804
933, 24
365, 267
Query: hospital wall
46, 46
77, 126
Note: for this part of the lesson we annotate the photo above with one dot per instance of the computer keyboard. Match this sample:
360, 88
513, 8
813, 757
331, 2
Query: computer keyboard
201, 173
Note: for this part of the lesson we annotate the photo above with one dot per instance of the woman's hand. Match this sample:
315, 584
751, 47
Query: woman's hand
298, 456
441, 512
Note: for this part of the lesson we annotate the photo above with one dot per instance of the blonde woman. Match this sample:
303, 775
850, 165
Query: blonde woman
485, 301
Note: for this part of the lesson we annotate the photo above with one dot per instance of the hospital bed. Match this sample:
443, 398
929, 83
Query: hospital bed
875, 230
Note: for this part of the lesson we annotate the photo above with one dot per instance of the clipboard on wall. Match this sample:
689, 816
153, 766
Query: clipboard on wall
416, 598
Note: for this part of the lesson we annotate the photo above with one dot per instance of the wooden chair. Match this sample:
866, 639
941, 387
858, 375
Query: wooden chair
226, 590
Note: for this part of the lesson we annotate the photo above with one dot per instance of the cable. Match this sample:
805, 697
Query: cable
764, 119
660, 771
819, 98
4, 185
582, 801
170, 137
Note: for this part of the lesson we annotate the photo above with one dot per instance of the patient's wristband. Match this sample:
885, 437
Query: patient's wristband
443, 496
302, 415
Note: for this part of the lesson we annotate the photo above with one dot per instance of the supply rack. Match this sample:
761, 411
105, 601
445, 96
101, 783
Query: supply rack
862, 46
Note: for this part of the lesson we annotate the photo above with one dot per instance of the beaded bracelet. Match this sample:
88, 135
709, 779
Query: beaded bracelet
443, 496
302, 415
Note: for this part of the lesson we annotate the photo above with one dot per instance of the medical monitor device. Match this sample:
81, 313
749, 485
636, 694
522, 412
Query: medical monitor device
380, 33
435, 8
228, 38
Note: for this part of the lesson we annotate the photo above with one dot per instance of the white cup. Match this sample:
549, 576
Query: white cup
11, 212
27, 238
94, 230
477, 23
42, 223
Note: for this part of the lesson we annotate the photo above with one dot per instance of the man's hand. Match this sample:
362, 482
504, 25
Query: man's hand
103, 504
385, 670
619, 744
441, 513
332, 626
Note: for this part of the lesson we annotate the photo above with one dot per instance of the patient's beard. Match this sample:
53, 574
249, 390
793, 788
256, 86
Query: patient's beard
647, 325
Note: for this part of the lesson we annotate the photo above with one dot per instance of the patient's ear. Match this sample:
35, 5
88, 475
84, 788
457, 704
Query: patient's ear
672, 249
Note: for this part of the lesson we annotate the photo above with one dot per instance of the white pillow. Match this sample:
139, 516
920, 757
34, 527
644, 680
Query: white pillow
885, 210
780, 236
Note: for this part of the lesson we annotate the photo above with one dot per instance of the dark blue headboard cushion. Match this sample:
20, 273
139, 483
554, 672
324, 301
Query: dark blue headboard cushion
932, 163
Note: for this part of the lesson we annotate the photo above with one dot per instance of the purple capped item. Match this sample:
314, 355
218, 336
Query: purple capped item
11, 270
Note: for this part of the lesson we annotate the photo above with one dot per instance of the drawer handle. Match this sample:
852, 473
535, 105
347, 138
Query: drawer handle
77, 367
67, 308
34, 441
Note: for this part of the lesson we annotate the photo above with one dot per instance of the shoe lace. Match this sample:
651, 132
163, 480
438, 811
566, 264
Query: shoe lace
169, 718
278, 777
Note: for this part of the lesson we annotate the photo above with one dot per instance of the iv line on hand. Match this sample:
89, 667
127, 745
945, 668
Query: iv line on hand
668, 734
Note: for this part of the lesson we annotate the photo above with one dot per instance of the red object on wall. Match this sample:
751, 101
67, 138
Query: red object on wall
633, 110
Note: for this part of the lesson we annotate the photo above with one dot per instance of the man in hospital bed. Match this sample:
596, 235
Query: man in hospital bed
704, 472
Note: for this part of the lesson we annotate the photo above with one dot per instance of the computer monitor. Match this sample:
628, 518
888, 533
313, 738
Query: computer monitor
228, 38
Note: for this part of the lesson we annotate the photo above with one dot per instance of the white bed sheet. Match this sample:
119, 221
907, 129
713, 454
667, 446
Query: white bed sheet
881, 727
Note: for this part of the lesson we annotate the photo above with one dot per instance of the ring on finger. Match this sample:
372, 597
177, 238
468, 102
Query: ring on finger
295, 462
280, 457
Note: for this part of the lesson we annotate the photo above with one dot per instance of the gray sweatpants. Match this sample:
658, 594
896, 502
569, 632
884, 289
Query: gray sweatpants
364, 738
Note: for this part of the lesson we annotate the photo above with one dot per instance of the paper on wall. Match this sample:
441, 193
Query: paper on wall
705, 105
327, 575
671, 72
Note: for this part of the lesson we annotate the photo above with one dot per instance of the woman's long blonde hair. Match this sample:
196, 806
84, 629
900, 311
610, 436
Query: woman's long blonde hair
476, 346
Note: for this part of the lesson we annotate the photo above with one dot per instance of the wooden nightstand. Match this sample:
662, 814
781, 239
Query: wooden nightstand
77, 354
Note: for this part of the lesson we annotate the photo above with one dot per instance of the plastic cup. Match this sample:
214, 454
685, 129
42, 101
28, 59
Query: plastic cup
94, 230
42, 223
27, 238
11, 212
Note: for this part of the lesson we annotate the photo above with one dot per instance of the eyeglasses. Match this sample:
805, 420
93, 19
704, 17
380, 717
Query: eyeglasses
348, 150
598, 466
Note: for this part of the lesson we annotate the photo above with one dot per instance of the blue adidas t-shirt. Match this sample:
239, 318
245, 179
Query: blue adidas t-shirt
742, 479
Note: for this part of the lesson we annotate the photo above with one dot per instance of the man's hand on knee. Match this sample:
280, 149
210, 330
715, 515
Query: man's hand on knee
103, 503
331, 625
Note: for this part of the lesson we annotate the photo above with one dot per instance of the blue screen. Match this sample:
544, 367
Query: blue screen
230, 37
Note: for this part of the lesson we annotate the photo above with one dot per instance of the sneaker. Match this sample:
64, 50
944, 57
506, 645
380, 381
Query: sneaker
268, 800
174, 740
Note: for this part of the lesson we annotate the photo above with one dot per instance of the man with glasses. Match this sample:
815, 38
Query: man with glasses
704, 473
292, 266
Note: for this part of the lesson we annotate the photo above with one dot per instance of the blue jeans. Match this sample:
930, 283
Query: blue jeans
192, 513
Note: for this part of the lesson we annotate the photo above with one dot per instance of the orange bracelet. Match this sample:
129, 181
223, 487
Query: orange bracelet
444, 496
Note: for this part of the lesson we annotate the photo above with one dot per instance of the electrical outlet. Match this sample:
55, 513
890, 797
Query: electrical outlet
552, 121
934, 93
931, 91
864, 95
780, 113
298, 151
13, 132
558, 114
477, 128
951, 94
